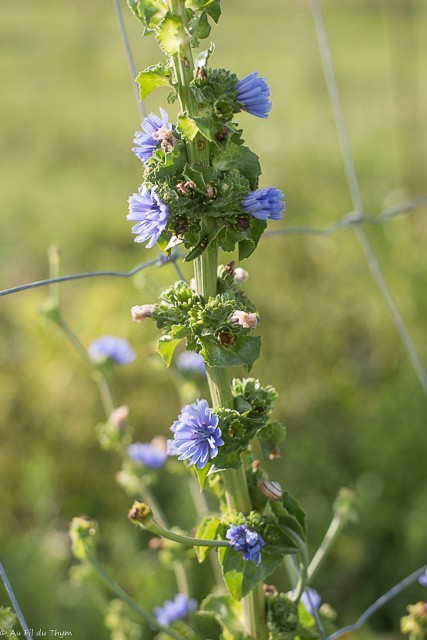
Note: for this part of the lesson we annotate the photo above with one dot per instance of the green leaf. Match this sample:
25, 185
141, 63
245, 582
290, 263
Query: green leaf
227, 613
166, 346
205, 127
187, 127
240, 575
170, 34
289, 514
271, 436
238, 157
244, 351
149, 12
212, 7
152, 78
200, 28
202, 474
207, 531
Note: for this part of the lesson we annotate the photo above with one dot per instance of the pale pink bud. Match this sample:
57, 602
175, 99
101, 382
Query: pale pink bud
241, 275
245, 320
119, 416
140, 312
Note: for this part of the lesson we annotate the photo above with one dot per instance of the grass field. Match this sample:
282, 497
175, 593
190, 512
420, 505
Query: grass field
354, 411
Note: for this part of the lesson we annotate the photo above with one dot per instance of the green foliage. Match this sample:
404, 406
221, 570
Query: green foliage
152, 78
227, 612
181, 313
206, 531
118, 620
8, 620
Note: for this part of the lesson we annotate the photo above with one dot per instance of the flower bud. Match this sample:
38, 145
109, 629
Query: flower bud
140, 514
346, 506
241, 275
82, 532
256, 465
271, 489
275, 454
140, 312
118, 417
245, 320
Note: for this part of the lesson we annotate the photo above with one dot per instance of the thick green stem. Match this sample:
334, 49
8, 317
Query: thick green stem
205, 272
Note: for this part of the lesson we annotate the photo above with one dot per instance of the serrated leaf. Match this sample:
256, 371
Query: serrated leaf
271, 436
239, 157
212, 7
207, 531
149, 12
244, 351
170, 34
187, 127
200, 28
166, 347
240, 575
205, 127
152, 78
289, 514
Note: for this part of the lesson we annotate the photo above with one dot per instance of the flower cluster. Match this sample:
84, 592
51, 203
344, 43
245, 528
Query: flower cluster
247, 541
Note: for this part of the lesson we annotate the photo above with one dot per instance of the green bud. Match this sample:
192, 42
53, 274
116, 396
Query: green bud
414, 625
8, 619
82, 534
282, 614
347, 506
140, 514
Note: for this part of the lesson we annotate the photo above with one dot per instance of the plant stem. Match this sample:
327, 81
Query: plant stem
158, 530
205, 272
121, 593
328, 541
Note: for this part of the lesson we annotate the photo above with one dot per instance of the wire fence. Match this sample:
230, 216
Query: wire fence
354, 220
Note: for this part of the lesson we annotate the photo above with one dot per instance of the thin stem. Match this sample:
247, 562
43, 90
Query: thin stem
326, 545
121, 593
105, 391
302, 550
158, 530
14, 602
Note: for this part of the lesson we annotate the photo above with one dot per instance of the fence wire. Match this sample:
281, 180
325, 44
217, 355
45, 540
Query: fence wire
352, 220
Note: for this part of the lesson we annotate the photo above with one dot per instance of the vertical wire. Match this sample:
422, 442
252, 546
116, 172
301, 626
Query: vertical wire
356, 197
129, 57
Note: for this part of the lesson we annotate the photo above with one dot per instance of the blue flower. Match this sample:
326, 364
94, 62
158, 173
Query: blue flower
110, 348
153, 131
189, 361
244, 539
311, 600
148, 454
150, 213
265, 204
254, 95
423, 579
197, 435
174, 609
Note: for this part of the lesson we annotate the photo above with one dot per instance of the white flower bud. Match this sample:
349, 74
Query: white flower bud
241, 275
140, 312
245, 320
119, 416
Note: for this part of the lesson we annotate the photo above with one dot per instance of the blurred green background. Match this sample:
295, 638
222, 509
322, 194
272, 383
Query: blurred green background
354, 411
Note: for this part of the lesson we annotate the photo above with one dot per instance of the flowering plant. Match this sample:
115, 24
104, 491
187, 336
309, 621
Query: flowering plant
200, 191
